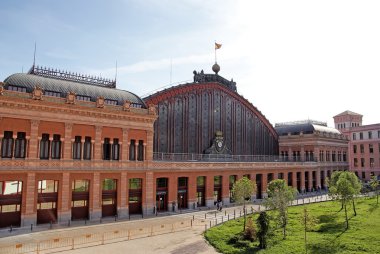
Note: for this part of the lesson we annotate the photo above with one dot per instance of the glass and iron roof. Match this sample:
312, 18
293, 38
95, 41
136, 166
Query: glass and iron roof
306, 127
62, 83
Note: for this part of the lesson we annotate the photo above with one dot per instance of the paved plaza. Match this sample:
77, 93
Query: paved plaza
184, 240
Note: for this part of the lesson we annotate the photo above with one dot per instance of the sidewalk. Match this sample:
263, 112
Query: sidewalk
197, 221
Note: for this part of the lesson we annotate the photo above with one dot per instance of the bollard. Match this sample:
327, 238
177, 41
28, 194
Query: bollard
10, 229
205, 215
31, 227
129, 216
225, 212
85, 222
68, 223
205, 227
115, 217
240, 213
215, 214
216, 222
228, 218
51, 224
210, 224
193, 217
191, 223
234, 213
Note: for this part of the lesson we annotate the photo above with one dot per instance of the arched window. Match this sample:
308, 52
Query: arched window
115, 149
106, 149
56, 147
132, 150
20, 145
87, 148
7, 145
44, 147
77, 148
140, 150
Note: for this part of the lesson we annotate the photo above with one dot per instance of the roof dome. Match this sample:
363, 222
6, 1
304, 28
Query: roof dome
305, 127
29, 81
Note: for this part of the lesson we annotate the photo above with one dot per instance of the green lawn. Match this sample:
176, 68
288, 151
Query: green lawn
328, 236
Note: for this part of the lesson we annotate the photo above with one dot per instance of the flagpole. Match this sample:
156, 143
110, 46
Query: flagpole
215, 50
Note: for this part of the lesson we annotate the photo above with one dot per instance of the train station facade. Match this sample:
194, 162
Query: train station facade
75, 147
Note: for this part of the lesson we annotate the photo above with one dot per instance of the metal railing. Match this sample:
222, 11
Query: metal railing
222, 157
92, 239
234, 158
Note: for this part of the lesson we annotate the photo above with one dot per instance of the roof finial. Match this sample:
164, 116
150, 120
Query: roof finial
34, 56
116, 72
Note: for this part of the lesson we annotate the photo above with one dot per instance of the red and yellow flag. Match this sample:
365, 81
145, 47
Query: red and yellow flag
217, 45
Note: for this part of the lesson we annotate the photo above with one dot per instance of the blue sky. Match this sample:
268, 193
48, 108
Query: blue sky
292, 59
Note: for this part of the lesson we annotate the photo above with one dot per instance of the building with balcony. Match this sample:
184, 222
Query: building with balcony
75, 147
364, 144
314, 142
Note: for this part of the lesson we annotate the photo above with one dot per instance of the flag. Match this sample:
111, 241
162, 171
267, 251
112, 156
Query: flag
217, 45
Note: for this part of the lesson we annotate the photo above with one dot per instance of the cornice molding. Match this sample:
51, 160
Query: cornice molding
77, 110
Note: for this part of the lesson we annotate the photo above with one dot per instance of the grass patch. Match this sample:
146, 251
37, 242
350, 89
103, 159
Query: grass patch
328, 236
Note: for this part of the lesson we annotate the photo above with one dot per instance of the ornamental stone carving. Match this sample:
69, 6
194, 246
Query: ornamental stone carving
127, 106
218, 145
70, 98
35, 123
152, 109
68, 126
37, 93
98, 128
100, 102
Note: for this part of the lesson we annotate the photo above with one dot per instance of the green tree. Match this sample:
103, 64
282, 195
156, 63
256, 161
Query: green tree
279, 197
243, 190
374, 183
263, 227
308, 221
344, 186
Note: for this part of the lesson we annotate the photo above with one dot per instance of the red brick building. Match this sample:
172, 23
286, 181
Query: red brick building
76, 147
321, 148
364, 144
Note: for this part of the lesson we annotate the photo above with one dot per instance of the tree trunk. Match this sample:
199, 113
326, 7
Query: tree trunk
345, 210
305, 234
244, 214
342, 206
353, 205
284, 229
